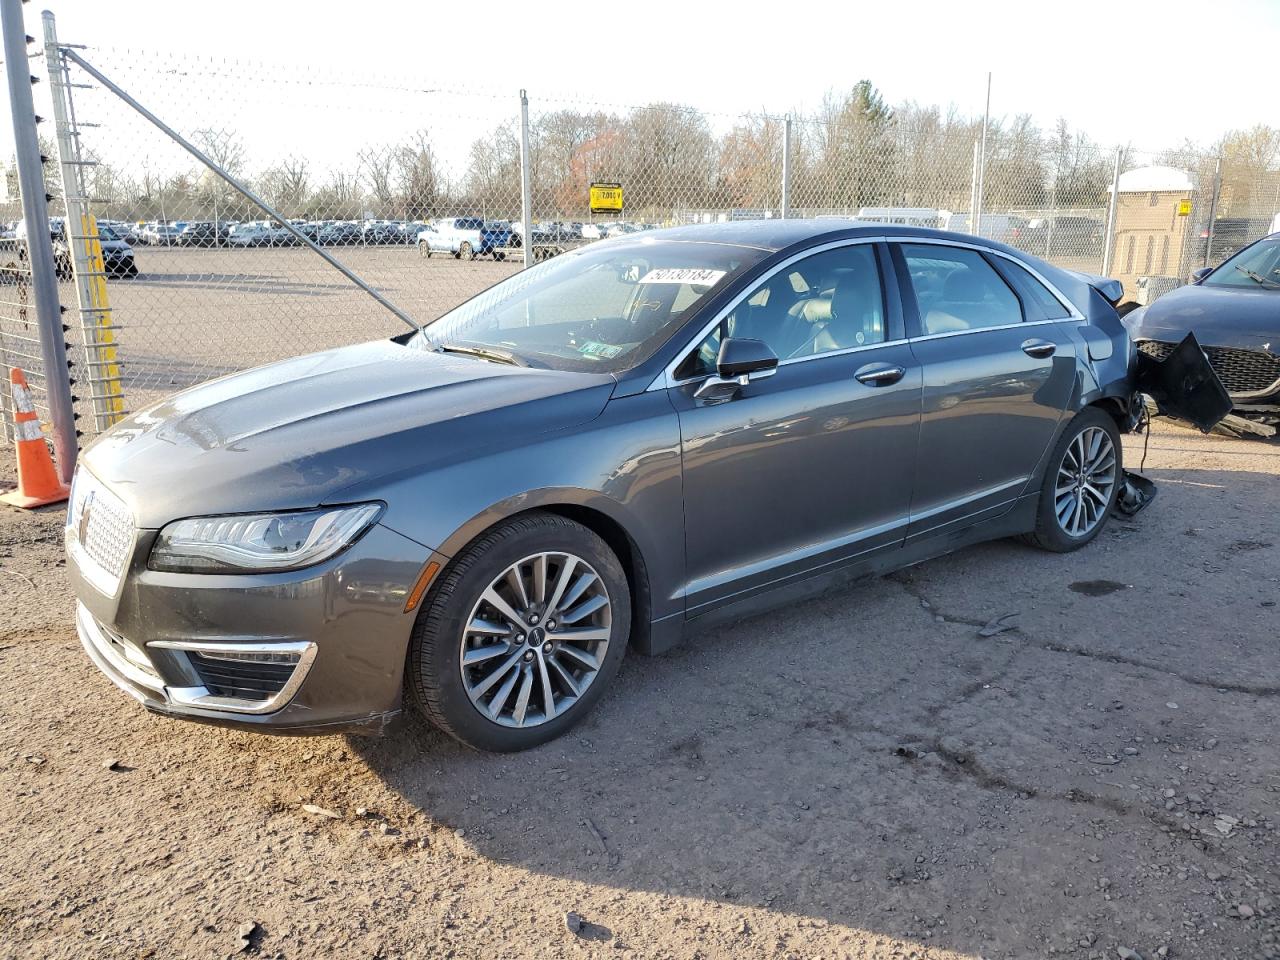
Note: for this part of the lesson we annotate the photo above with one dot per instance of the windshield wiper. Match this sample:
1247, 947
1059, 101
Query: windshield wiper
1257, 277
484, 353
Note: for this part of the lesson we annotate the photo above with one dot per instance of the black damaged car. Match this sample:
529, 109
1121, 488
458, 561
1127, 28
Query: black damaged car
1234, 310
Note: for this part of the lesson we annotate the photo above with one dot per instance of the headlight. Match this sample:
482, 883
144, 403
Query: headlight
260, 542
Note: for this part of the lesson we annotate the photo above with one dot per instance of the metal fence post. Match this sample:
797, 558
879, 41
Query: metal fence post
786, 167
39, 242
1108, 244
97, 327
526, 182
973, 191
1213, 210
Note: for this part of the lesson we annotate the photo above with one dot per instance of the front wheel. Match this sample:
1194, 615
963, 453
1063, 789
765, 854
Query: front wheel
466, 251
521, 635
1081, 483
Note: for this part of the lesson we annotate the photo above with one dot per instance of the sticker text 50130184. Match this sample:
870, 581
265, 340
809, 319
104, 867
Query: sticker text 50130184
694, 276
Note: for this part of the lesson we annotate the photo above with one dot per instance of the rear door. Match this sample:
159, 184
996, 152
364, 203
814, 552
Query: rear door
999, 367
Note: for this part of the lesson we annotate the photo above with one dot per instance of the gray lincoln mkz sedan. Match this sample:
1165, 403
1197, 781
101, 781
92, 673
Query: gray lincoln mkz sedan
605, 450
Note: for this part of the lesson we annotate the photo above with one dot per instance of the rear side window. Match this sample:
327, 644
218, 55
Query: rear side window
957, 290
1033, 291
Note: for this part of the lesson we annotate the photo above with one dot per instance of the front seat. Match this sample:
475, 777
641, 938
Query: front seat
855, 314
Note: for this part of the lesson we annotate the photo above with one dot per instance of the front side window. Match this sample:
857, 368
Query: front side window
605, 308
830, 301
957, 290
1257, 266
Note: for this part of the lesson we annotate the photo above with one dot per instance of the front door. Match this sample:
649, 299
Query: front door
811, 466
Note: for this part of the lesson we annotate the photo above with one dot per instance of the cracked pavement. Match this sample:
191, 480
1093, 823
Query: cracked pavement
858, 775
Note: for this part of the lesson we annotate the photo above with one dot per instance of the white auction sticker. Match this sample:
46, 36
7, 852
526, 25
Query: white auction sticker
693, 275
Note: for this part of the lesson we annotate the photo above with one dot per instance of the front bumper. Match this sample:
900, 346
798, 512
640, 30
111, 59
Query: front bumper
310, 651
1250, 374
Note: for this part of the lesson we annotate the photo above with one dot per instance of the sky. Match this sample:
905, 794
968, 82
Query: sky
1150, 74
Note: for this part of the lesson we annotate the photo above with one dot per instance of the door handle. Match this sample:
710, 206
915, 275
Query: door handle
1038, 348
879, 374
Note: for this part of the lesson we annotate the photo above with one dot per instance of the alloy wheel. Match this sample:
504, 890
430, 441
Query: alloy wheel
1086, 479
536, 639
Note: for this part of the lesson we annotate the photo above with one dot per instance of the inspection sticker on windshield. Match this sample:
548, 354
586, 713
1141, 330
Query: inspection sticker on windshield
694, 275
605, 350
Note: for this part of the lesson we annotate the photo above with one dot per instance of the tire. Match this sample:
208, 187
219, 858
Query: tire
466, 251
424, 249
1082, 505
434, 676
499, 255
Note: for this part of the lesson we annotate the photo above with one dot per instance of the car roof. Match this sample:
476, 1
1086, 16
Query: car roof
778, 235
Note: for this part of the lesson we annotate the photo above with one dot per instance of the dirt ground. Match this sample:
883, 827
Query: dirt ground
865, 775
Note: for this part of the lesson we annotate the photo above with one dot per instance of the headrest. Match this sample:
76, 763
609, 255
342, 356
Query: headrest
964, 286
856, 296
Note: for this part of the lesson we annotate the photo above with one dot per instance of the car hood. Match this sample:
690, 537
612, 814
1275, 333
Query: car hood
115, 246
294, 434
1219, 317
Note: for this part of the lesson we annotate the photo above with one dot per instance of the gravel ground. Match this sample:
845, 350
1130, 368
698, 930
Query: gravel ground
864, 775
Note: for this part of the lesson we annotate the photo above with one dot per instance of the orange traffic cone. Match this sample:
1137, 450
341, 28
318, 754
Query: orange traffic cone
38, 482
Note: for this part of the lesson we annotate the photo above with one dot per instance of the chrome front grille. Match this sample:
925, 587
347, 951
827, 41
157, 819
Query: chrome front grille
1245, 373
100, 525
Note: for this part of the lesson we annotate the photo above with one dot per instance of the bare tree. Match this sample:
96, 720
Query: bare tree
416, 177
377, 168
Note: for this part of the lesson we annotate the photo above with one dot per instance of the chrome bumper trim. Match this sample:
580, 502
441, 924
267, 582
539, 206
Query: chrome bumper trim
112, 661
201, 697
146, 686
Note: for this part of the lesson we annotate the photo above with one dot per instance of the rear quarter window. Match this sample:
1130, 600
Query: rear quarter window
1032, 290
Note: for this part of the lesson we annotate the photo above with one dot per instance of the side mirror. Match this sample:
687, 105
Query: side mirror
739, 356
1198, 275
739, 362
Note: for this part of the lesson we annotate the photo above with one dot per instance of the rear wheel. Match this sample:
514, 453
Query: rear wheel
1081, 483
521, 634
466, 251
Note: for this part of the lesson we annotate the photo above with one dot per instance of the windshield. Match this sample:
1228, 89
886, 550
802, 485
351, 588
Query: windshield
107, 233
1255, 266
606, 308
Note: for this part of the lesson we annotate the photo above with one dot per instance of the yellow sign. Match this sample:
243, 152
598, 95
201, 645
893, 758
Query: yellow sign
606, 197
1184, 208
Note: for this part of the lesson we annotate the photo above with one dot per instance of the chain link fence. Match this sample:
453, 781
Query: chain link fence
417, 189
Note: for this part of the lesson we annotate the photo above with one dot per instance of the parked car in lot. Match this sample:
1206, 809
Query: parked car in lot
1234, 310
339, 234
203, 233
464, 237
260, 233
158, 234
1062, 236
613, 448
117, 255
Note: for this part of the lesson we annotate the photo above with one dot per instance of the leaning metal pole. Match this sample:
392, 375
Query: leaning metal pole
1109, 243
39, 243
236, 185
526, 183
982, 164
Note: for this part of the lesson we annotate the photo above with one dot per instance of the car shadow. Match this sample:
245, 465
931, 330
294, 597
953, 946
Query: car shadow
872, 758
